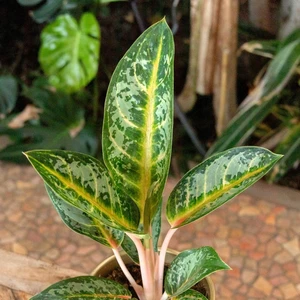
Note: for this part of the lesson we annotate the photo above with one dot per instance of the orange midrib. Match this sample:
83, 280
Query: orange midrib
212, 197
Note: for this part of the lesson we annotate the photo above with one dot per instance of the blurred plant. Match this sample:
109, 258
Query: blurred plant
45, 11
69, 52
59, 114
40, 126
271, 88
8, 94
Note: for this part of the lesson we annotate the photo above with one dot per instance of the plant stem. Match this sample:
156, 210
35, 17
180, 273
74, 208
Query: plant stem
138, 289
164, 296
146, 267
162, 257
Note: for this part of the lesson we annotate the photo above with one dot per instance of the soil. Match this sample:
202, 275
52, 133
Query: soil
118, 276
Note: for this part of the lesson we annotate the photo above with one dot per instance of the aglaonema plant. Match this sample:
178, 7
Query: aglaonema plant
118, 201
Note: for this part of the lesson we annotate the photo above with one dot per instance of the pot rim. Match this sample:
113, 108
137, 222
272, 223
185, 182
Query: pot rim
112, 260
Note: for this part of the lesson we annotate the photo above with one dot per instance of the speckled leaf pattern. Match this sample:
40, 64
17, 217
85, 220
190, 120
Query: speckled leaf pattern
156, 228
129, 247
84, 182
69, 53
138, 120
190, 295
191, 266
83, 288
215, 181
85, 224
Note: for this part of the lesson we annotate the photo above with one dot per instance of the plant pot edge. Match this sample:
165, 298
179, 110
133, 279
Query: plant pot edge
110, 264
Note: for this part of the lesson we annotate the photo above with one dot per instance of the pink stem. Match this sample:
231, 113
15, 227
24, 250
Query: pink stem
162, 257
145, 266
138, 289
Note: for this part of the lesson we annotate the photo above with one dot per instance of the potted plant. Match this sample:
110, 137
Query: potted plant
118, 201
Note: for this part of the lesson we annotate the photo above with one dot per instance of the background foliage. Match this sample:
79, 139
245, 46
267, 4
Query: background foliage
43, 109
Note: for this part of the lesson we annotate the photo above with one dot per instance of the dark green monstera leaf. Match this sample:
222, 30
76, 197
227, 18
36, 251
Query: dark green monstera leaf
69, 53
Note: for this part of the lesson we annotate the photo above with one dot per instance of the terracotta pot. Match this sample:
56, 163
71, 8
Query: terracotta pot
108, 265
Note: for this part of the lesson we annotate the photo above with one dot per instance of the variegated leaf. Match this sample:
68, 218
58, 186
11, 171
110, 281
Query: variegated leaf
84, 182
85, 224
138, 120
84, 287
190, 295
129, 247
156, 228
191, 266
215, 181
262, 48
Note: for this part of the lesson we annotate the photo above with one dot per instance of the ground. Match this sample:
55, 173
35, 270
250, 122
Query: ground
257, 234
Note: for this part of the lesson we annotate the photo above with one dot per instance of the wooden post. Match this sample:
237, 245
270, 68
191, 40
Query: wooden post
212, 61
225, 73
27, 275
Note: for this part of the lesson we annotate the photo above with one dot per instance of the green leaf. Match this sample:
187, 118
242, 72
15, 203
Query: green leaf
262, 48
84, 182
69, 53
260, 102
129, 247
29, 2
84, 287
191, 266
138, 120
8, 93
66, 130
32, 137
189, 295
290, 147
242, 126
292, 37
47, 11
156, 228
215, 181
84, 223
50, 101
280, 70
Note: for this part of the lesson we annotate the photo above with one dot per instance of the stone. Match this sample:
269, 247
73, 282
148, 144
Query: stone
249, 211
292, 246
283, 257
289, 290
248, 276
18, 248
263, 285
